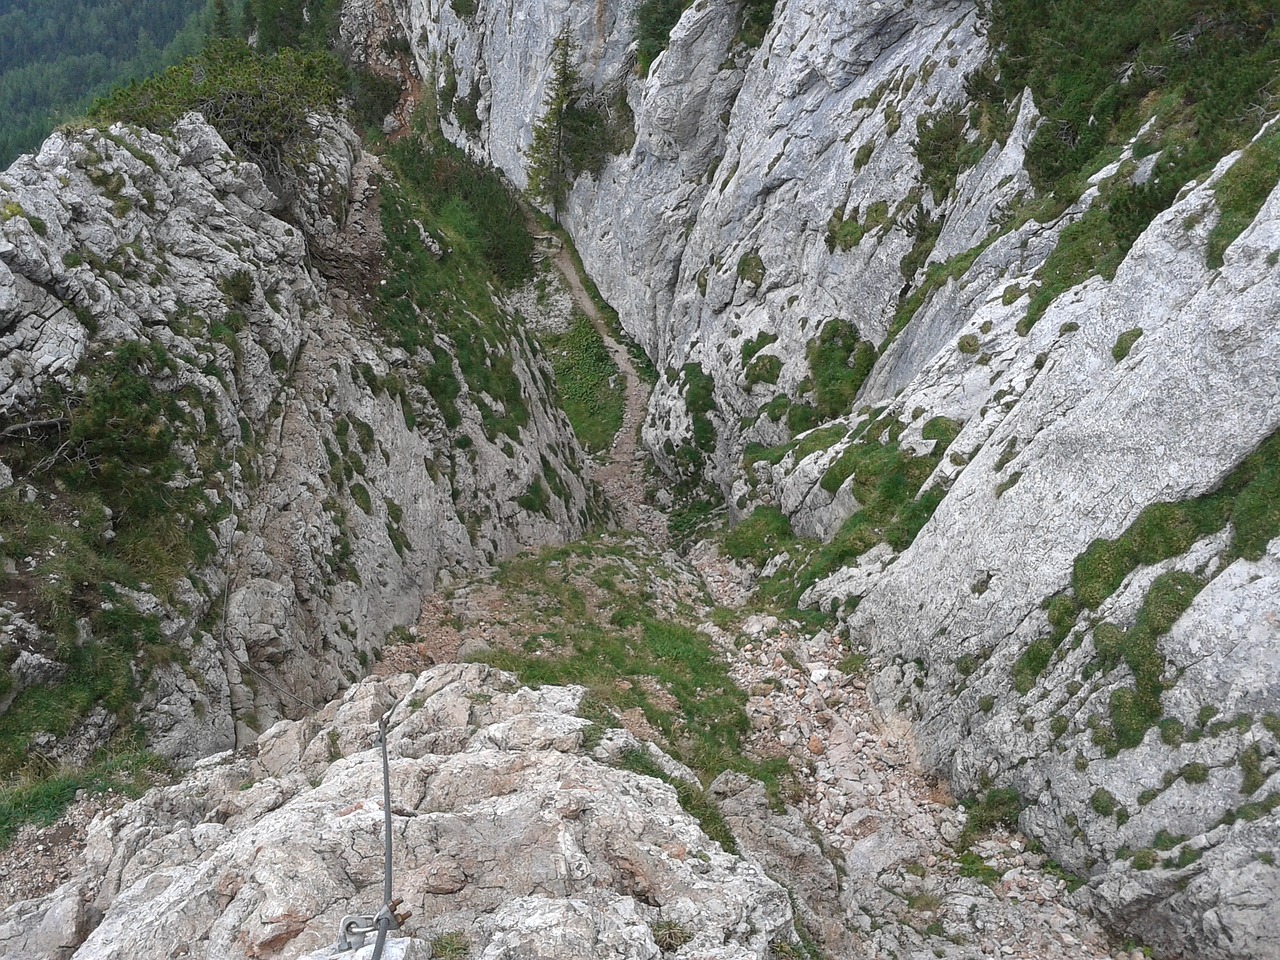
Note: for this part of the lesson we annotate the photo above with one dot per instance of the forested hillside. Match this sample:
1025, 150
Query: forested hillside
57, 55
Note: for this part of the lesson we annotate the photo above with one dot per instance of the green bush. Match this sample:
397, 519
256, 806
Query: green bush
258, 103
940, 147
757, 15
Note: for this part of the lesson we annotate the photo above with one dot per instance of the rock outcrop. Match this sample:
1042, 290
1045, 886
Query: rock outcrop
296, 444
509, 840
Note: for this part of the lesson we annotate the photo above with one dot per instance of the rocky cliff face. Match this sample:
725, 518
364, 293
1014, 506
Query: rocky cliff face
1064, 602
203, 413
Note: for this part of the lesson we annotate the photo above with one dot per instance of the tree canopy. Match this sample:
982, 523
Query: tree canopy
57, 55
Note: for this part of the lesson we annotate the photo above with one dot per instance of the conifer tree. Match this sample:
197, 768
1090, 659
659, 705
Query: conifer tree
550, 155
221, 20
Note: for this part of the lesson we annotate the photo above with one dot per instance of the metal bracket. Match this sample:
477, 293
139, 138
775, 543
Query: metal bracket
353, 930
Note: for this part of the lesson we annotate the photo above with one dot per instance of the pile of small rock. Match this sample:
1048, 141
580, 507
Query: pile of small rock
892, 830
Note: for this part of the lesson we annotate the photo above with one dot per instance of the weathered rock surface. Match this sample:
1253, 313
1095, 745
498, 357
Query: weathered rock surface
505, 832
335, 492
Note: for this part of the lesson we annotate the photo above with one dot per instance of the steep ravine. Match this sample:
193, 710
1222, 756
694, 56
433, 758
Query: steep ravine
791, 239
872, 855
1004, 478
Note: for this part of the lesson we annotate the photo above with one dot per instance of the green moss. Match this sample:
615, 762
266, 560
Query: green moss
751, 347
1135, 710
968, 344
360, 494
536, 498
751, 268
1103, 803
844, 234
1124, 343
699, 398
763, 370
1253, 778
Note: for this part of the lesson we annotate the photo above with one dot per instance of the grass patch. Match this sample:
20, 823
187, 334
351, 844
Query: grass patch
693, 799
763, 370
760, 537
442, 310
839, 363
628, 656
41, 801
451, 946
1241, 192
588, 382
999, 807
1100, 69
886, 484
1249, 499
972, 865
113, 511
1135, 710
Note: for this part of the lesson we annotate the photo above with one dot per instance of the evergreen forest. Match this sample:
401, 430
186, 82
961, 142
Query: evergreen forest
56, 56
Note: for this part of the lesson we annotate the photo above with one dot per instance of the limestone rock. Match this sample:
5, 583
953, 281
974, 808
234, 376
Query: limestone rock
521, 845
331, 493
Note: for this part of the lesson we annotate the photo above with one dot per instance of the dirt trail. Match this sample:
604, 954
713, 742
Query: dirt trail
622, 474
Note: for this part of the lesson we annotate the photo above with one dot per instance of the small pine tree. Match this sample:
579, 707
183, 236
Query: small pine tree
550, 155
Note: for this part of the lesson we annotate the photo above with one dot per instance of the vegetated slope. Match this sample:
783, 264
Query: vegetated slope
250, 412
1014, 268
57, 55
